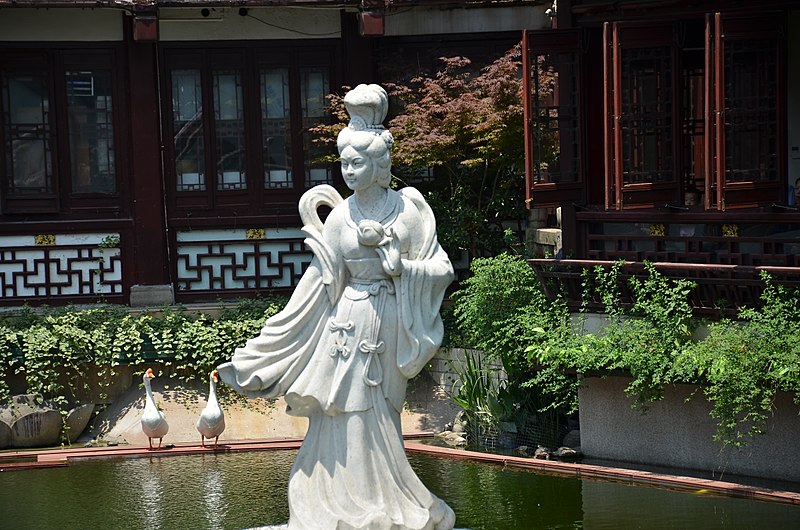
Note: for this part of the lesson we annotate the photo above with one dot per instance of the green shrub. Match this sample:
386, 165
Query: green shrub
739, 366
501, 310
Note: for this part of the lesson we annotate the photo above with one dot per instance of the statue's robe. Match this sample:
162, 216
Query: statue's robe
341, 353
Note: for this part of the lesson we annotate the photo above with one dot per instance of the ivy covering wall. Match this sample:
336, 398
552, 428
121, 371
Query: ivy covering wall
60, 353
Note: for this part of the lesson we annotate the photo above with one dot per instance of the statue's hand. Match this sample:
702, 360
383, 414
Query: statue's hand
389, 252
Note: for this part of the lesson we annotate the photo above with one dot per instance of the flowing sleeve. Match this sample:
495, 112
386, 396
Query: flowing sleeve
422, 287
268, 364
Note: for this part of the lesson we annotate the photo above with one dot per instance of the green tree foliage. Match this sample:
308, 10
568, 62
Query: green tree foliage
501, 310
643, 338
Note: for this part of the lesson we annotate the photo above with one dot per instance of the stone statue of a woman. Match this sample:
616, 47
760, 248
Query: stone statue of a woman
363, 320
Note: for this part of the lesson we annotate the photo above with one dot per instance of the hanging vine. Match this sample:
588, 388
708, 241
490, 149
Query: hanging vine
67, 355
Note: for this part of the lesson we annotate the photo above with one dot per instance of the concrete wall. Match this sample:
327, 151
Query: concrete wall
290, 22
680, 434
443, 20
178, 24
43, 25
188, 24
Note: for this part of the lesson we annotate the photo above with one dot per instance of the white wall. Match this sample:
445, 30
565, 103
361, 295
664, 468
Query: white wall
37, 25
183, 24
188, 24
425, 21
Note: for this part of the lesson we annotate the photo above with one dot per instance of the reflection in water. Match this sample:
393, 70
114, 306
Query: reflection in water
491, 498
213, 495
612, 506
245, 490
152, 492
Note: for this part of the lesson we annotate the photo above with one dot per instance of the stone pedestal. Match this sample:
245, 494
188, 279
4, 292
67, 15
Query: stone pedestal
151, 295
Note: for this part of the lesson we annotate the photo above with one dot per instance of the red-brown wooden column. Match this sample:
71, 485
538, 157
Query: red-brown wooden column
151, 281
357, 54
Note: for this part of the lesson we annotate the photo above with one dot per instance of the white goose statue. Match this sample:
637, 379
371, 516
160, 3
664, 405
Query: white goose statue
212, 420
154, 424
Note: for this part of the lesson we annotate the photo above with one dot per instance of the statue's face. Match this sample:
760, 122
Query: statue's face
357, 169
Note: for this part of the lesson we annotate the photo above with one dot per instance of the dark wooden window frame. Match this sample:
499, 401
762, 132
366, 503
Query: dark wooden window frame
55, 61
248, 59
709, 157
721, 29
618, 36
540, 194
718, 194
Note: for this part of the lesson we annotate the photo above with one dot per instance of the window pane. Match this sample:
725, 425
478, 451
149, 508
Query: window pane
187, 120
26, 130
751, 100
693, 126
555, 117
229, 130
313, 89
276, 129
646, 119
91, 131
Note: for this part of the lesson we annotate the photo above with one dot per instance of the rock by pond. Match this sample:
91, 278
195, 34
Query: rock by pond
40, 428
5, 435
452, 439
77, 419
29, 421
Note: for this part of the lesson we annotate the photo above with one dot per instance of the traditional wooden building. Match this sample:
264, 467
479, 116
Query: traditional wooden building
667, 131
154, 151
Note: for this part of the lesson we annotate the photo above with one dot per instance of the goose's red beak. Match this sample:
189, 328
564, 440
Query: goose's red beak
215, 376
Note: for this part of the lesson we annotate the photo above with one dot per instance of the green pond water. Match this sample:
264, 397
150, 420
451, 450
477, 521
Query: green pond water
243, 490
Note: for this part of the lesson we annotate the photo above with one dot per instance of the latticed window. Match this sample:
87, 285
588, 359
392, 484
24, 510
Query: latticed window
187, 116
313, 88
691, 113
645, 115
58, 158
640, 108
26, 119
748, 60
239, 120
751, 100
552, 105
229, 148
276, 128
91, 131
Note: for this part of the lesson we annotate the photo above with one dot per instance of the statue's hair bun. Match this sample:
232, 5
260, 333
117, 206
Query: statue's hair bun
367, 106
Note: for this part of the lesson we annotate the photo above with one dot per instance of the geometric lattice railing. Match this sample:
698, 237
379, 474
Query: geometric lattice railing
59, 266
757, 242
720, 289
219, 261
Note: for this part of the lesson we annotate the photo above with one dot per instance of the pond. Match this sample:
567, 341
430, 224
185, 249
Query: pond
243, 490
